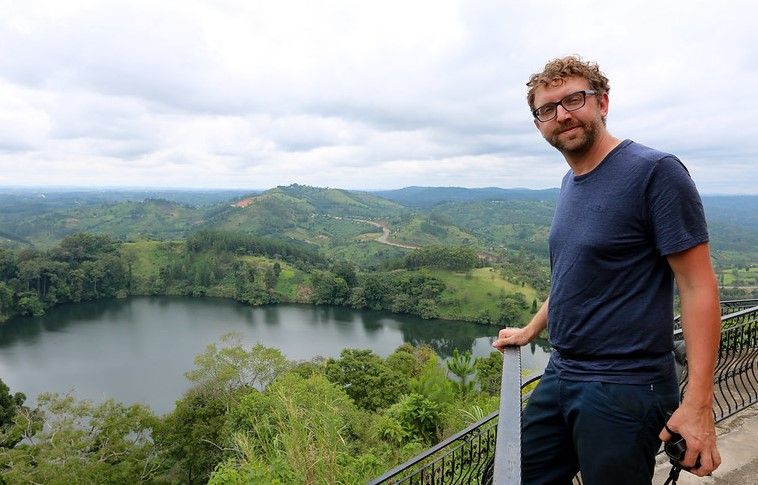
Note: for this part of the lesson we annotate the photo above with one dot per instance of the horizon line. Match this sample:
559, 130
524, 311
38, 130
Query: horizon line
62, 188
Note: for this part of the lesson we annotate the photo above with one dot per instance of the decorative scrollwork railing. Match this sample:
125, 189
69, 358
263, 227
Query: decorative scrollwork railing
466, 457
731, 306
736, 376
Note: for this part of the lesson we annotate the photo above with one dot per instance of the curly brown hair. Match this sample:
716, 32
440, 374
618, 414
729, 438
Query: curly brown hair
569, 66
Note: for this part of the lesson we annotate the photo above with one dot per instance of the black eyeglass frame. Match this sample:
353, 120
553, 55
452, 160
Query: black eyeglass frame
584, 92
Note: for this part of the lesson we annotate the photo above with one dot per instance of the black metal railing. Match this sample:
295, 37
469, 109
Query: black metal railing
461, 458
467, 456
736, 376
731, 306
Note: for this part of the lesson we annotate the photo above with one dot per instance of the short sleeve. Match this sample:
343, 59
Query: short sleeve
675, 211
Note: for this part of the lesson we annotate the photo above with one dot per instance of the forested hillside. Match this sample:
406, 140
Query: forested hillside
502, 225
433, 282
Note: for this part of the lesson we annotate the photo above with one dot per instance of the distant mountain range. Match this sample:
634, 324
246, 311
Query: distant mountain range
334, 220
429, 196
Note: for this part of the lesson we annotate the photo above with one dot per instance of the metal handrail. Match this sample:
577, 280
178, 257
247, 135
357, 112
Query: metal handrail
738, 304
466, 457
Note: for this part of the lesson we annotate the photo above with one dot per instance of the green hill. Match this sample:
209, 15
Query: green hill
155, 218
502, 222
425, 229
485, 295
338, 202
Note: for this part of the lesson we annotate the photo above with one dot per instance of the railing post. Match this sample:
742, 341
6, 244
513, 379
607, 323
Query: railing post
508, 444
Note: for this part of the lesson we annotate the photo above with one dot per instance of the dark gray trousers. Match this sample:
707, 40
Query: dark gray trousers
608, 431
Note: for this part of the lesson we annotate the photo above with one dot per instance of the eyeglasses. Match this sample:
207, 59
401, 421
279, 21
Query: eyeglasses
570, 102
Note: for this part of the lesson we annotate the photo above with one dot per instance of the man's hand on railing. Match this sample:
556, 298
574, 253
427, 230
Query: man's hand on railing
522, 336
512, 337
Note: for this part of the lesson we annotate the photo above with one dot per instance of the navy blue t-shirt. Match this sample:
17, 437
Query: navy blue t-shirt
610, 315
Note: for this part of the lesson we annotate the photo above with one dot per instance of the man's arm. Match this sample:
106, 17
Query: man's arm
701, 324
522, 336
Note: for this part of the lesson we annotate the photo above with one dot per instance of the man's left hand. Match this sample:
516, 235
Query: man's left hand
696, 425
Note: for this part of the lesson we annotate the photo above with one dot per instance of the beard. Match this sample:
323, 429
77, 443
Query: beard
579, 142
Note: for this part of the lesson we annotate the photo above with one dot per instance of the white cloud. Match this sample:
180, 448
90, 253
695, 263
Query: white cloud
358, 94
24, 124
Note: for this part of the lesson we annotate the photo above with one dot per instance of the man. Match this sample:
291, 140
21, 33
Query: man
628, 222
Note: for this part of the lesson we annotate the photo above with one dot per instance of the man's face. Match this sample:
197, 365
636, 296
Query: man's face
571, 132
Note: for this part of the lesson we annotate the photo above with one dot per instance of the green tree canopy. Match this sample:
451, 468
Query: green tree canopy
84, 443
366, 378
456, 258
222, 370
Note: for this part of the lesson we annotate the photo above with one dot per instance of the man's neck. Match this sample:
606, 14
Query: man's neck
585, 162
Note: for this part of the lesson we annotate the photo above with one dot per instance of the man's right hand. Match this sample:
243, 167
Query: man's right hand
512, 336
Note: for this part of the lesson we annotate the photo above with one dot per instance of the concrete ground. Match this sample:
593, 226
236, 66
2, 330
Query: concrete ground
738, 446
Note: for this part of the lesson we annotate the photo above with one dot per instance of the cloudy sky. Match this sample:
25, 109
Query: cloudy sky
359, 94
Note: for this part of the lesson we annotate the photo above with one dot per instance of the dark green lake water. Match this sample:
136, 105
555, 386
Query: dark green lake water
138, 349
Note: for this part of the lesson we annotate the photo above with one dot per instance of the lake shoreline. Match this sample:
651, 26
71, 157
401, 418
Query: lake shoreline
134, 349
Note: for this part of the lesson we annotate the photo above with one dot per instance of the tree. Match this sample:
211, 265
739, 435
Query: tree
8, 264
366, 378
329, 289
455, 258
427, 309
30, 272
402, 303
30, 305
462, 366
192, 436
512, 308
83, 247
346, 271
9, 407
419, 417
432, 382
84, 443
129, 256
404, 360
376, 290
358, 298
223, 370
6, 300
489, 372
270, 278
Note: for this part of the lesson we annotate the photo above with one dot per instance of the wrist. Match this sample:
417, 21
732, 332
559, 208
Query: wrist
531, 331
698, 399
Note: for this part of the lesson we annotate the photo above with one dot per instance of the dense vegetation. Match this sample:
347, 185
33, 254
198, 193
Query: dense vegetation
82, 267
241, 243
438, 281
502, 222
252, 416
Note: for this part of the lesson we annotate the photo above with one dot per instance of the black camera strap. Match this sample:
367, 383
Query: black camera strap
673, 475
